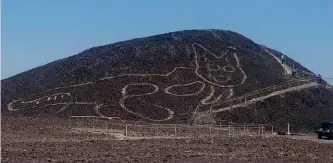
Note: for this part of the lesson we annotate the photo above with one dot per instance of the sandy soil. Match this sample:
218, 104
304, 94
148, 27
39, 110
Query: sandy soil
51, 140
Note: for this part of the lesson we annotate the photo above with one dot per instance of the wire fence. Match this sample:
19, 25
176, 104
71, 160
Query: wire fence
116, 125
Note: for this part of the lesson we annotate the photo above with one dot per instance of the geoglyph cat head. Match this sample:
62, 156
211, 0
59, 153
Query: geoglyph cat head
222, 70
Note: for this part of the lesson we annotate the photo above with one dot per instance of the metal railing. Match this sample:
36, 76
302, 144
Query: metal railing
106, 124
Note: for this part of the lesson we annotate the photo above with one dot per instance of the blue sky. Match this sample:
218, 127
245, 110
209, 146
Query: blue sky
36, 32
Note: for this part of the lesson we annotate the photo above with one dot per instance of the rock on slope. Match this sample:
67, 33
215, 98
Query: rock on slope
163, 78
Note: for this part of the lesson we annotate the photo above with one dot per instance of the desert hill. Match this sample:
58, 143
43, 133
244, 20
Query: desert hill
169, 78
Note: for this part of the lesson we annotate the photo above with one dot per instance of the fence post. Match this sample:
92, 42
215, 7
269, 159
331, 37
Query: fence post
157, 130
272, 130
244, 129
70, 122
77, 122
229, 130
259, 129
175, 130
84, 122
93, 122
217, 132
262, 129
126, 130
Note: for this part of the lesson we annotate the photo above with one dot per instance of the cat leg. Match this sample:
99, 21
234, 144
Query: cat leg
188, 89
142, 107
217, 95
97, 111
136, 99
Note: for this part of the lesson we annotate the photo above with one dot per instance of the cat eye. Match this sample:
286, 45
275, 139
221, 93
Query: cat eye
228, 69
202, 59
213, 67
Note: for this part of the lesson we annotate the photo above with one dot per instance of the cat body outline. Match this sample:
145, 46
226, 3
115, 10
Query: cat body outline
214, 75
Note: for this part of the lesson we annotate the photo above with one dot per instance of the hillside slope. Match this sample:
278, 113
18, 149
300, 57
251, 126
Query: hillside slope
162, 78
304, 110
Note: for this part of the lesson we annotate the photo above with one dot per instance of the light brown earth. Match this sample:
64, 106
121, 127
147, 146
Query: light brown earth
52, 140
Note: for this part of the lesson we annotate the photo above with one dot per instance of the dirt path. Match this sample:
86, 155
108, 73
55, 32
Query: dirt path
274, 93
285, 67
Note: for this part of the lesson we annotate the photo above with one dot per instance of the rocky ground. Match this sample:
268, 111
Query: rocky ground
51, 140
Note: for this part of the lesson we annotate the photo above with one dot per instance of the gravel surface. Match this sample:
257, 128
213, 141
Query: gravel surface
51, 140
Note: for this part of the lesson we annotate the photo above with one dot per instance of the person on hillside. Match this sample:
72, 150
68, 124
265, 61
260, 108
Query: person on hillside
293, 73
319, 78
314, 76
282, 58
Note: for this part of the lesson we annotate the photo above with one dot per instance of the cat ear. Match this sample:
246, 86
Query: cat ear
201, 52
232, 59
